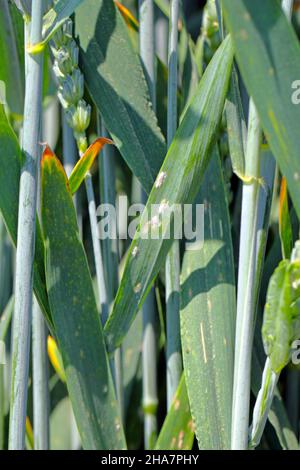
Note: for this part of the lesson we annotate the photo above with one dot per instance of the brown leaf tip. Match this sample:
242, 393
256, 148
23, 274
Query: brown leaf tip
100, 142
47, 153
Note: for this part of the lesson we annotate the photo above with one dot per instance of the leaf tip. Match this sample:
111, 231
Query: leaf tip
34, 49
49, 158
101, 141
47, 153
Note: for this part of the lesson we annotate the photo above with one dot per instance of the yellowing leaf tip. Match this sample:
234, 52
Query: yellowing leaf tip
34, 49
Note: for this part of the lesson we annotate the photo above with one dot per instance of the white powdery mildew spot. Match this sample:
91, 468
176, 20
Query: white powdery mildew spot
155, 222
163, 206
160, 179
2, 353
137, 288
118, 425
135, 252
146, 227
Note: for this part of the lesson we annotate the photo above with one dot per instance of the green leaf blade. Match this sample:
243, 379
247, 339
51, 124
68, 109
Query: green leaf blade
177, 183
207, 318
56, 16
177, 432
281, 314
11, 59
119, 91
77, 323
5, 318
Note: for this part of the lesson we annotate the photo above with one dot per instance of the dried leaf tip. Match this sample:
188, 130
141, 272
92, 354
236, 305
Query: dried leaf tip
100, 142
47, 153
130, 20
50, 157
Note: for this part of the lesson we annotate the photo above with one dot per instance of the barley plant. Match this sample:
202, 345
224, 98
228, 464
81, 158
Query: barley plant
149, 224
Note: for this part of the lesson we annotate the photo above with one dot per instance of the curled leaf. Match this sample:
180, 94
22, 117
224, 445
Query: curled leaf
84, 164
130, 20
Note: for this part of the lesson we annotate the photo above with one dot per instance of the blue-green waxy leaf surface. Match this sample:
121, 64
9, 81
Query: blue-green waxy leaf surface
207, 317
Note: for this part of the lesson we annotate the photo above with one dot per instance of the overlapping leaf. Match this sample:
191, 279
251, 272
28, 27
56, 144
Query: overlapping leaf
177, 183
118, 90
268, 54
10, 168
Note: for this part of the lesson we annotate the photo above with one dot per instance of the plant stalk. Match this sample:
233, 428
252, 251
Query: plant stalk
287, 6
110, 253
70, 158
246, 301
69, 147
174, 360
147, 45
40, 366
147, 53
161, 35
108, 196
40, 380
26, 235
149, 356
96, 248
40, 371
